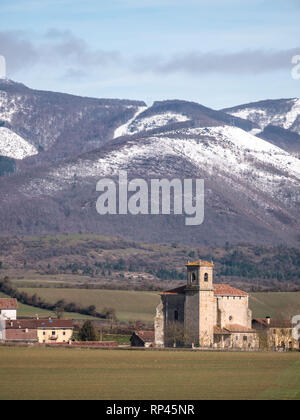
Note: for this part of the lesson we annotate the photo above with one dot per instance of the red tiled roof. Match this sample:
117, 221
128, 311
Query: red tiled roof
146, 336
33, 324
219, 290
21, 335
274, 323
8, 303
226, 290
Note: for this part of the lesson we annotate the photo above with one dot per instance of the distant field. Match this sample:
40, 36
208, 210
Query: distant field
130, 306
140, 306
30, 311
50, 374
276, 305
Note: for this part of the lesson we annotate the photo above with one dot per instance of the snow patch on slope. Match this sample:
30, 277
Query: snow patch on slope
124, 129
156, 121
264, 118
8, 107
137, 125
292, 115
14, 146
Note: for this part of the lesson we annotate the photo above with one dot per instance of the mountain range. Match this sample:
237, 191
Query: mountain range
54, 148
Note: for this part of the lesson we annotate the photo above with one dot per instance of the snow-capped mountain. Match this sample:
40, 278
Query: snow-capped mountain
173, 113
251, 188
284, 113
251, 184
58, 125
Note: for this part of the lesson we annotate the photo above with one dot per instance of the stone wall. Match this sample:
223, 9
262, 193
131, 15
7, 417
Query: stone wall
239, 341
233, 310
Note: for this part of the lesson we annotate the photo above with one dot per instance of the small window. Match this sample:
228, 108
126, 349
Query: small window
64, 333
176, 315
230, 318
193, 277
206, 277
53, 332
44, 333
245, 338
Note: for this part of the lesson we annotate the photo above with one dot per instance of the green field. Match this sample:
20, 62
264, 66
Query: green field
31, 312
130, 306
35, 373
140, 306
276, 305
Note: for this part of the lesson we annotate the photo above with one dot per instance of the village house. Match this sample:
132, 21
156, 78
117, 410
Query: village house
204, 314
8, 308
142, 339
43, 331
276, 334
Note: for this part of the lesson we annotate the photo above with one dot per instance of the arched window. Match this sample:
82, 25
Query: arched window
193, 277
206, 277
176, 315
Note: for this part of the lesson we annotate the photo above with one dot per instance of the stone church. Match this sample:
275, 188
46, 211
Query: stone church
204, 314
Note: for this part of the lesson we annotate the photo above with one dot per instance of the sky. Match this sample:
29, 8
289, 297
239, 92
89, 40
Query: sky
219, 53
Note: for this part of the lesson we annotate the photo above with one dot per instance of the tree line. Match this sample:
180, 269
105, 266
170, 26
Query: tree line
58, 307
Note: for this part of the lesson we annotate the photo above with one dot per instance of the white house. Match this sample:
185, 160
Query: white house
8, 309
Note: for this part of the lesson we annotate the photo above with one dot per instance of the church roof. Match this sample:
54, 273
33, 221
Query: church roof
227, 290
200, 263
219, 290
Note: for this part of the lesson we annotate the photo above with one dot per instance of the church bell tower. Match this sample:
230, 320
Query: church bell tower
199, 308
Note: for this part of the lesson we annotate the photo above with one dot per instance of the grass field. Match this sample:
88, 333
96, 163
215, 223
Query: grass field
140, 306
130, 306
34, 373
31, 312
276, 305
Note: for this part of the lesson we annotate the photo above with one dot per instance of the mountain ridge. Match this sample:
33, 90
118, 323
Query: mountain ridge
251, 184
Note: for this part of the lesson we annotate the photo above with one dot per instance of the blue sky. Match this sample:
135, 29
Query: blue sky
216, 52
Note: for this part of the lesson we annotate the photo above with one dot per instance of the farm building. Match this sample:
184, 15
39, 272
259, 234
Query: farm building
8, 308
142, 339
204, 314
42, 331
278, 333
